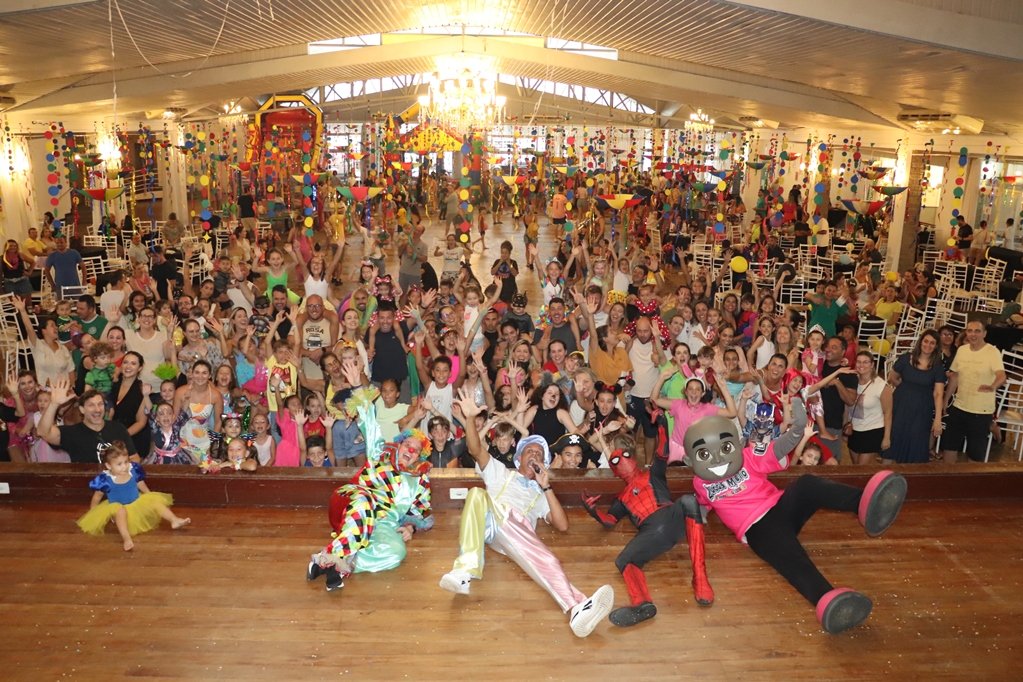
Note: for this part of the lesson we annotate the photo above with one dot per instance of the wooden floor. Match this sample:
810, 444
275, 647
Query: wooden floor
226, 599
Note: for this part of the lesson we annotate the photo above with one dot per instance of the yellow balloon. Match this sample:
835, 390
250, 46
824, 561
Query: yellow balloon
463, 194
309, 221
201, 135
190, 179
589, 182
306, 167
568, 205
850, 247
204, 180
951, 241
891, 276
722, 186
269, 188
720, 216
465, 170
468, 209
739, 265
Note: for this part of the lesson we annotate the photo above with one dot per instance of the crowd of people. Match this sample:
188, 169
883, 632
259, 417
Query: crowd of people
622, 328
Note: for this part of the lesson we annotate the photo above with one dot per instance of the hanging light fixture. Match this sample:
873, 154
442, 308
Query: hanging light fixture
699, 122
462, 96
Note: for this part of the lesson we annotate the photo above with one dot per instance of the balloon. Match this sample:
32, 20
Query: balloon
464, 238
569, 226
951, 241
739, 265
892, 276
850, 247
463, 194
844, 259
568, 205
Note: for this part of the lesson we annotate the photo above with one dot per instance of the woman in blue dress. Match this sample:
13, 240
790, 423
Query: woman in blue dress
919, 381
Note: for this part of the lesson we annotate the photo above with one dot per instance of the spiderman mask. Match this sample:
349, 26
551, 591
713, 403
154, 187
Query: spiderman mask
623, 465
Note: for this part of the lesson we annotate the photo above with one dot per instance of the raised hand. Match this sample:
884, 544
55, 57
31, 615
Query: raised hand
352, 372
590, 501
467, 404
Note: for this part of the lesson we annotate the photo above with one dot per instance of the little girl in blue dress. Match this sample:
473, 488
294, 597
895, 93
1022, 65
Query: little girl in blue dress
130, 504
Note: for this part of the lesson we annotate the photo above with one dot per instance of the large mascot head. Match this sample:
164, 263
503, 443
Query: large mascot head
713, 448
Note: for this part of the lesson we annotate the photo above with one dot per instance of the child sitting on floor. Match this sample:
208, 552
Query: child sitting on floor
130, 504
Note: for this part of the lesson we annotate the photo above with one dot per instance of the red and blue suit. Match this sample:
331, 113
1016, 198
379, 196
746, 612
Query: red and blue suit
660, 522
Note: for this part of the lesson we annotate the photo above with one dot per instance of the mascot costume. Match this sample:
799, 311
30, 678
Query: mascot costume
382, 507
660, 523
732, 481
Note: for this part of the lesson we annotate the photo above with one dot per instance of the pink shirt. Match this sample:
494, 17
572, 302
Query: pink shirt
685, 416
744, 498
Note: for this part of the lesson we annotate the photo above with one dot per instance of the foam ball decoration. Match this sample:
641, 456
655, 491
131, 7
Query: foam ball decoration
465, 170
308, 222
720, 217
951, 241
309, 232
463, 194
464, 238
568, 205
879, 346
739, 265
850, 247
719, 228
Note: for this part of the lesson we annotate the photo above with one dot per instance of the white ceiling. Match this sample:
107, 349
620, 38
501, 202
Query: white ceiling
801, 62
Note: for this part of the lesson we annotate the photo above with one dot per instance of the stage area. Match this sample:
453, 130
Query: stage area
226, 599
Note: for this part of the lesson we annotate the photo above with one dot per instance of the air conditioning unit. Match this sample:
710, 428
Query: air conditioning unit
944, 124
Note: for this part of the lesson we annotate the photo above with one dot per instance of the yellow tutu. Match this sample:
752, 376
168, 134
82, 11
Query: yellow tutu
143, 514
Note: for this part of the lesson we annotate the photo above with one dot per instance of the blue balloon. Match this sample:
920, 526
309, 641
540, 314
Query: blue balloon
206, 215
306, 136
54, 190
955, 212
819, 187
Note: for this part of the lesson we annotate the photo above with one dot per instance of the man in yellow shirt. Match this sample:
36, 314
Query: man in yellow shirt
976, 375
33, 245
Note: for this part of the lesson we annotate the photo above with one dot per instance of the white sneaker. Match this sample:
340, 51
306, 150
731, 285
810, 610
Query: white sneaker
456, 582
586, 614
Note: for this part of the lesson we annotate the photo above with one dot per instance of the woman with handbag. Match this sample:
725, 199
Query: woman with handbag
870, 415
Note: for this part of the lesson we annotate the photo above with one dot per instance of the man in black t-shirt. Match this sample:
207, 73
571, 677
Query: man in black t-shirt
247, 213
837, 394
390, 359
164, 271
83, 442
964, 232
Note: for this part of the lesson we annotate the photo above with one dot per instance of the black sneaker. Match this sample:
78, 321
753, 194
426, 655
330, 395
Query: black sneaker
335, 581
314, 570
627, 616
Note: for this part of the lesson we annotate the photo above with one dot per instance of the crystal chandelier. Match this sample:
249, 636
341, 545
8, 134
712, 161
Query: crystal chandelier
463, 98
699, 123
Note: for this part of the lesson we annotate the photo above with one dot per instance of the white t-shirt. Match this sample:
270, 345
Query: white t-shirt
151, 351
452, 259
511, 490
866, 413
51, 365
644, 370
111, 299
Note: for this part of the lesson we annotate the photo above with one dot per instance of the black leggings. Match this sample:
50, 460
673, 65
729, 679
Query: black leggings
661, 531
775, 537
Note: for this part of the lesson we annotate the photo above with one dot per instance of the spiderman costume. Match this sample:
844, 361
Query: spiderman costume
646, 500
